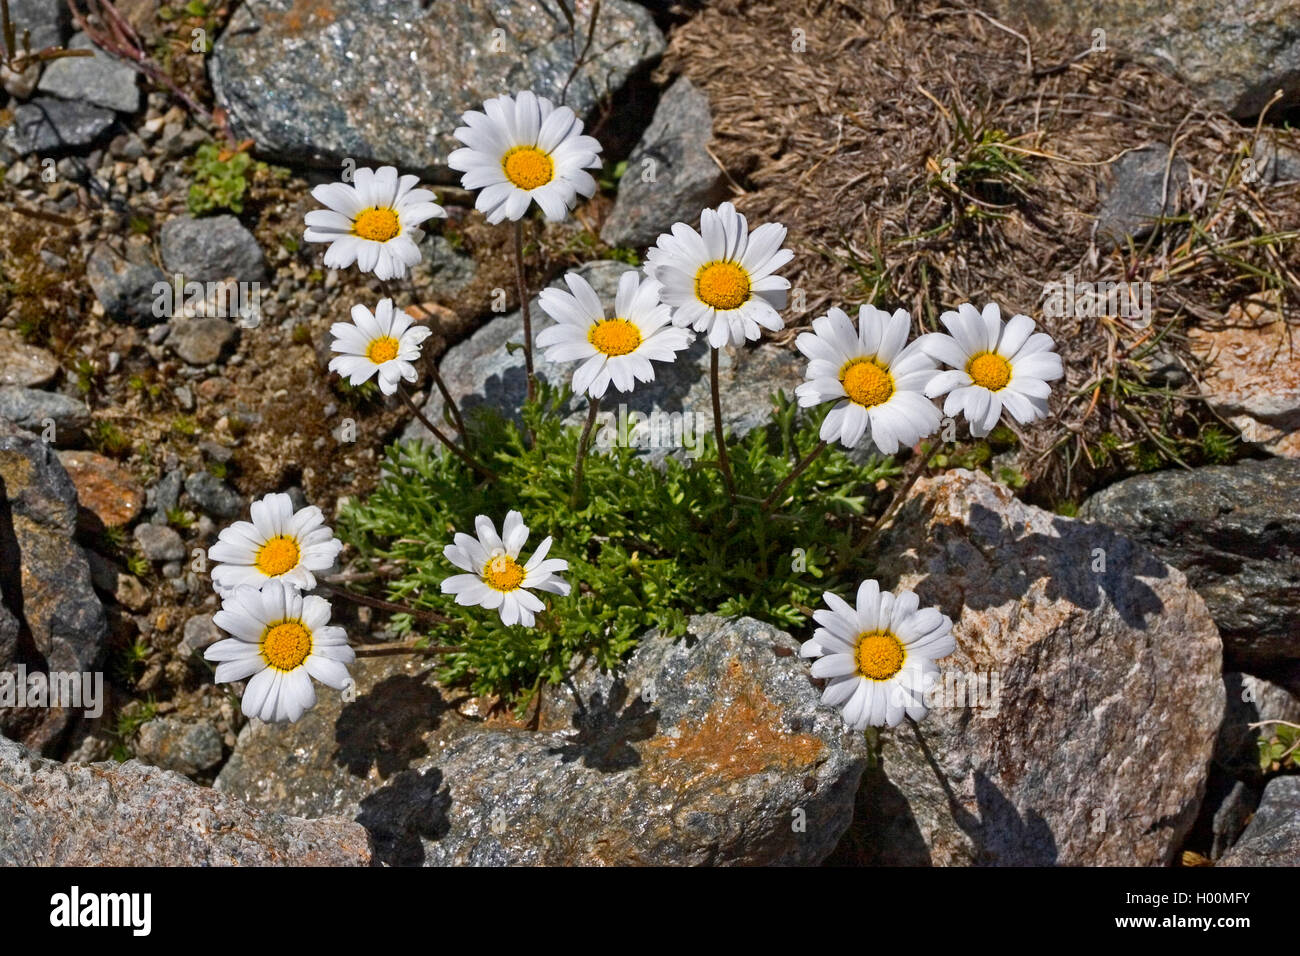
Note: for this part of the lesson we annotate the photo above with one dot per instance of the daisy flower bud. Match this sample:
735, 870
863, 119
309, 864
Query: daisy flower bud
721, 280
281, 640
876, 380
385, 344
524, 149
994, 366
617, 349
279, 544
496, 579
878, 657
372, 221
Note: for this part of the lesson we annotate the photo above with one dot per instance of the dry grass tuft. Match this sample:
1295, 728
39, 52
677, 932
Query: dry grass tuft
848, 141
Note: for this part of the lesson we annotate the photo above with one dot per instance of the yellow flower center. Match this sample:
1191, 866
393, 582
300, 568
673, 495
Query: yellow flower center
528, 167
277, 556
989, 370
377, 223
614, 336
382, 350
503, 573
867, 382
286, 645
723, 285
879, 655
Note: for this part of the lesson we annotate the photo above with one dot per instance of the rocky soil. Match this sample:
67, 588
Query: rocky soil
1128, 655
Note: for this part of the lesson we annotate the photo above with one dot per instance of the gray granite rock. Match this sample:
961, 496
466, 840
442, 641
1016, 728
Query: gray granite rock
213, 496
24, 364
158, 542
443, 265
1091, 732
31, 408
713, 749
125, 289
211, 249
1273, 836
1139, 194
46, 22
1234, 530
321, 82
1234, 53
188, 747
44, 576
199, 634
109, 814
101, 80
48, 124
203, 339
482, 371
670, 175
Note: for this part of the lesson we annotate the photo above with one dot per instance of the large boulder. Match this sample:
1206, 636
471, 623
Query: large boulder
1234, 530
1235, 53
108, 814
309, 79
676, 408
44, 579
1094, 671
711, 749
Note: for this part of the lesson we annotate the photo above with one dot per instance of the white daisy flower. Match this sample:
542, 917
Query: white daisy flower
525, 148
279, 544
878, 657
617, 349
372, 221
385, 343
993, 367
720, 280
497, 581
875, 378
281, 640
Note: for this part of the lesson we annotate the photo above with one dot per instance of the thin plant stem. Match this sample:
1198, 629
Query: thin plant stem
383, 605
455, 449
594, 408
524, 310
795, 472
404, 647
724, 463
448, 402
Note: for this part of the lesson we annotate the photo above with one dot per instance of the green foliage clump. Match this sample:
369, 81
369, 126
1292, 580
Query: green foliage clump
220, 180
647, 546
1279, 748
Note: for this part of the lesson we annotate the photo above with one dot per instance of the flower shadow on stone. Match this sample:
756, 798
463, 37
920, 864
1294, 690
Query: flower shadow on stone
385, 727
411, 807
607, 728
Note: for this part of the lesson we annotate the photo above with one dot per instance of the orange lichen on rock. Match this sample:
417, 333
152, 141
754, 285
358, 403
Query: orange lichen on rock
738, 737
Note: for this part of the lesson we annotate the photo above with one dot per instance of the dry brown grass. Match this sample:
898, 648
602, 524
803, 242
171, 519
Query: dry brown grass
846, 143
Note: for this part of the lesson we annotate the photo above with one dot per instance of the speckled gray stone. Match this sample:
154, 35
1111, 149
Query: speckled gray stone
211, 249
213, 496
127, 290
188, 747
101, 79
1139, 194
31, 408
158, 542
1235, 531
1273, 836
482, 371
670, 175
387, 80
203, 339
49, 124
109, 814
44, 572
710, 750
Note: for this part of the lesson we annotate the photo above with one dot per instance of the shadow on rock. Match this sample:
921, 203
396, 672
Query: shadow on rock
411, 807
608, 728
385, 727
